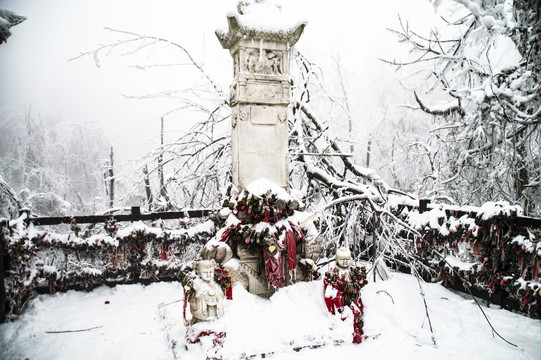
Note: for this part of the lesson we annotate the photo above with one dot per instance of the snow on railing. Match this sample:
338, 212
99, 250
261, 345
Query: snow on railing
45, 261
492, 249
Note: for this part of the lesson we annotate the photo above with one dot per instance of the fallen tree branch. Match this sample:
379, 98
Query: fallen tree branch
467, 287
385, 292
73, 331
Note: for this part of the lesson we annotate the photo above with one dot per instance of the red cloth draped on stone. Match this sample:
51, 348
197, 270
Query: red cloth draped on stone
275, 266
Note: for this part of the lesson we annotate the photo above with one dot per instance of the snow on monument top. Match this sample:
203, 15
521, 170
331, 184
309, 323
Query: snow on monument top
261, 186
258, 18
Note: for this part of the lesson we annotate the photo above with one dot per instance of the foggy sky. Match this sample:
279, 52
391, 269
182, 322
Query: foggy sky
35, 71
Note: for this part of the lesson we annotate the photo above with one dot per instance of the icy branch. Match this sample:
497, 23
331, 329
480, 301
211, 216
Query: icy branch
446, 109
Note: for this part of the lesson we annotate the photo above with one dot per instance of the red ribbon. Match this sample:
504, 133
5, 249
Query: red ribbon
225, 234
291, 250
219, 337
228, 285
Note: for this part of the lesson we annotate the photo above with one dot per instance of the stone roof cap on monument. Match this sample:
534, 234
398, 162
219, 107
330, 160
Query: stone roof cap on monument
258, 19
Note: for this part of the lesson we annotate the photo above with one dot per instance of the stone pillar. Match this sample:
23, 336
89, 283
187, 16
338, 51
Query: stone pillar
260, 95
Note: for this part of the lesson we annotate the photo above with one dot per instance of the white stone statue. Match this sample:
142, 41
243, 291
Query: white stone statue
206, 304
343, 259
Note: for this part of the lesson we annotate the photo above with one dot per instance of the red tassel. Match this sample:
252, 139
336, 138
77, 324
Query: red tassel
266, 218
225, 234
490, 287
357, 309
475, 248
526, 297
184, 307
521, 263
163, 254
229, 293
113, 255
228, 285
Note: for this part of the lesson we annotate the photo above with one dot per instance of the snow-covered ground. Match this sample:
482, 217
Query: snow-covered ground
145, 322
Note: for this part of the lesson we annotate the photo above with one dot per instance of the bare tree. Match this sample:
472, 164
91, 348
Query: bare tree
109, 177
52, 167
190, 170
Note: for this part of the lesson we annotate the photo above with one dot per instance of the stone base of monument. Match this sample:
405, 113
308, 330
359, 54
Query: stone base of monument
252, 265
266, 240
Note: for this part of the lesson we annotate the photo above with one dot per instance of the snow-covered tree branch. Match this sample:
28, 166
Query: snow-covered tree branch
483, 89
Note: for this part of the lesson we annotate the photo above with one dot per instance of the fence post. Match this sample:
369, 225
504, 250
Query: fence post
423, 205
136, 213
2, 275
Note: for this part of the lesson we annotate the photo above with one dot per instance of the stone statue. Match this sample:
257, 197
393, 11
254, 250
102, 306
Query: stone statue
206, 303
342, 288
343, 259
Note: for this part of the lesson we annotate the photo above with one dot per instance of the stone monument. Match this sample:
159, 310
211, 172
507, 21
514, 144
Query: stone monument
259, 93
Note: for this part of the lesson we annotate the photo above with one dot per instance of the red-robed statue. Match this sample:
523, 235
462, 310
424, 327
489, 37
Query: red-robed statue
342, 287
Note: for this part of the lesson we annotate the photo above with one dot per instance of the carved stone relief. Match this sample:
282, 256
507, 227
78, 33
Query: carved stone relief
268, 92
263, 62
234, 118
242, 114
282, 115
239, 113
253, 267
313, 249
236, 64
233, 93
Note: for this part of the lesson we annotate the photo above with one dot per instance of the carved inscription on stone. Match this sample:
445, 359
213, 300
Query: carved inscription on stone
263, 115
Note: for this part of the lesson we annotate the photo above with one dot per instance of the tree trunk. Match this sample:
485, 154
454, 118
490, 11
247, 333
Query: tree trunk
111, 180
368, 150
148, 190
163, 190
2, 284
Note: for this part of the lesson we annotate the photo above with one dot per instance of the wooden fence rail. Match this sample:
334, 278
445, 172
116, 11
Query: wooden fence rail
135, 215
